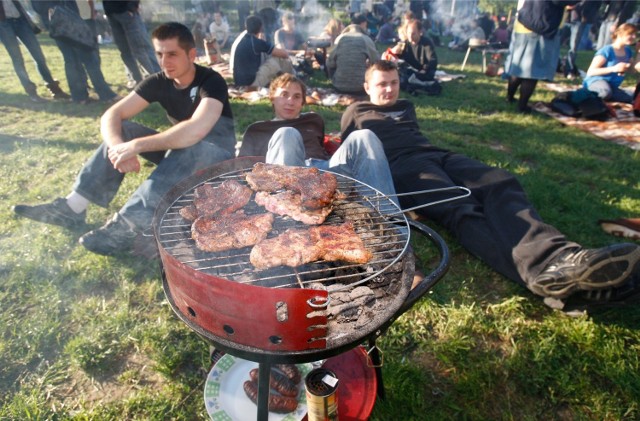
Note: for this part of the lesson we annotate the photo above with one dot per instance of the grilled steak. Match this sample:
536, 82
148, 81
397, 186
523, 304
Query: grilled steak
289, 204
299, 246
211, 201
316, 188
232, 231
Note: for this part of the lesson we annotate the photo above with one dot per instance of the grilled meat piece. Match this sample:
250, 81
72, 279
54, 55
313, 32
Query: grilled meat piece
277, 403
299, 246
278, 382
316, 189
288, 203
232, 231
291, 371
210, 201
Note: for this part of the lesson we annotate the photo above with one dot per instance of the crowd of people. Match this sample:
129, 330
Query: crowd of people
382, 145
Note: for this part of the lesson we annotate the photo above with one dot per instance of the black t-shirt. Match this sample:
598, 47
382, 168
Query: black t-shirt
180, 104
396, 126
247, 58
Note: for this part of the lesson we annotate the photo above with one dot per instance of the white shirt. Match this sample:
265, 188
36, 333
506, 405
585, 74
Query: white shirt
219, 32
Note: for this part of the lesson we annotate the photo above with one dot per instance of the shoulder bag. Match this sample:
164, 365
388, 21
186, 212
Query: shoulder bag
65, 24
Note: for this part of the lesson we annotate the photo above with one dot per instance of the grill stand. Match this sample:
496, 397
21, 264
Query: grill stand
265, 361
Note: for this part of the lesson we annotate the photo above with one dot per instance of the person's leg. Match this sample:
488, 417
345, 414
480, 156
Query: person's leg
497, 223
527, 86
286, 147
602, 88
619, 95
76, 76
512, 88
10, 42
267, 72
98, 181
29, 40
176, 165
91, 61
138, 40
120, 39
361, 156
577, 28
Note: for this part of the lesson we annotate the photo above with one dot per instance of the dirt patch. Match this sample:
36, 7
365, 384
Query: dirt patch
134, 372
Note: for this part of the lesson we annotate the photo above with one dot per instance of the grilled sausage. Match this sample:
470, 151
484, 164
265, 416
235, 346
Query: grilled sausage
278, 382
291, 371
277, 403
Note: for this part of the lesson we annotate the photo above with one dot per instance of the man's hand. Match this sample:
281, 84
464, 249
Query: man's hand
124, 157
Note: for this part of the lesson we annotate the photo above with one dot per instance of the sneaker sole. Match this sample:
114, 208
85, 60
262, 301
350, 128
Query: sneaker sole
588, 280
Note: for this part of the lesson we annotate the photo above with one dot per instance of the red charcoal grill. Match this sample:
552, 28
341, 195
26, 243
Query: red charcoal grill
292, 315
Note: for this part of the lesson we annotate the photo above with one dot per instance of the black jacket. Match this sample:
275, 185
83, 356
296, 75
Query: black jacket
543, 16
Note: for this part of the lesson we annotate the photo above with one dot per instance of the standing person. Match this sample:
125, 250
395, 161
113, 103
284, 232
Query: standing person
534, 49
14, 26
295, 138
197, 104
130, 36
219, 29
616, 12
583, 15
611, 63
79, 61
354, 50
496, 223
244, 10
254, 61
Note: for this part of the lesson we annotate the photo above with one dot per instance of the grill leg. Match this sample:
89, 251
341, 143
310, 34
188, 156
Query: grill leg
377, 364
264, 373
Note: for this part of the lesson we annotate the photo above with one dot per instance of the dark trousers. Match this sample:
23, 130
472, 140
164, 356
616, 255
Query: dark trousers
497, 223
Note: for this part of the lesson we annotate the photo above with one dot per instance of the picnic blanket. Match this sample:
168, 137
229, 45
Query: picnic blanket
622, 129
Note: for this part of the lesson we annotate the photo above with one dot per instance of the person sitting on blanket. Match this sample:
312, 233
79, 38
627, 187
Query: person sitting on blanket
496, 223
254, 61
418, 53
295, 138
610, 64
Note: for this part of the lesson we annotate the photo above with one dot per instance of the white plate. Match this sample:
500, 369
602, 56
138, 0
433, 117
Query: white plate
224, 395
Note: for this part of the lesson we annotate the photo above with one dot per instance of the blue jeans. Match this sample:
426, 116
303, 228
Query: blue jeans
608, 92
10, 31
99, 182
577, 30
131, 38
360, 156
78, 62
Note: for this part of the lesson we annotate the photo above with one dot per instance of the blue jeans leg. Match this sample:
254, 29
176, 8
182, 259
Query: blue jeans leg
286, 147
91, 61
137, 39
76, 75
120, 39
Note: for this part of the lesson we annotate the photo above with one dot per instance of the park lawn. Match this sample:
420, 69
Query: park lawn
91, 337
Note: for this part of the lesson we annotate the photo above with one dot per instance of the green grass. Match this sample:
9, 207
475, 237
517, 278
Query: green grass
92, 338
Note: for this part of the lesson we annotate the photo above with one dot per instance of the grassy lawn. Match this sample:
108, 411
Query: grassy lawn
93, 338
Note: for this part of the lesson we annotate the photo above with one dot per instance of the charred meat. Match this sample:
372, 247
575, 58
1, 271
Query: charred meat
316, 189
299, 246
211, 202
288, 203
232, 231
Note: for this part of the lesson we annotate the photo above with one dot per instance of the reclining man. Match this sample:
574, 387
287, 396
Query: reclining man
196, 101
296, 139
497, 223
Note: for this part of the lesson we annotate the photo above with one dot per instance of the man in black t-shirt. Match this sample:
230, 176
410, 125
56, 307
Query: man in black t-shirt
496, 223
202, 133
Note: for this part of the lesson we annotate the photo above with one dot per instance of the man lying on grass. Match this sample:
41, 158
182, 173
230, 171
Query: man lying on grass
196, 101
496, 223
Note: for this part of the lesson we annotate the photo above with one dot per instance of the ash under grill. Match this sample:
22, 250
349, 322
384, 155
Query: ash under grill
371, 213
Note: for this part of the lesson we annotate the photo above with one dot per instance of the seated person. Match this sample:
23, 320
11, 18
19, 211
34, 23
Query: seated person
196, 101
387, 33
610, 64
254, 61
288, 37
331, 31
219, 30
353, 52
497, 222
418, 53
501, 35
296, 139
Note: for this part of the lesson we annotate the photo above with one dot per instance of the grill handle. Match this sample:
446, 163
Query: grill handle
465, 193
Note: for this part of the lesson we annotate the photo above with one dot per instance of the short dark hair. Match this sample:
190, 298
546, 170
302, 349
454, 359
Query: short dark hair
253, 24
381, 66
177, 30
